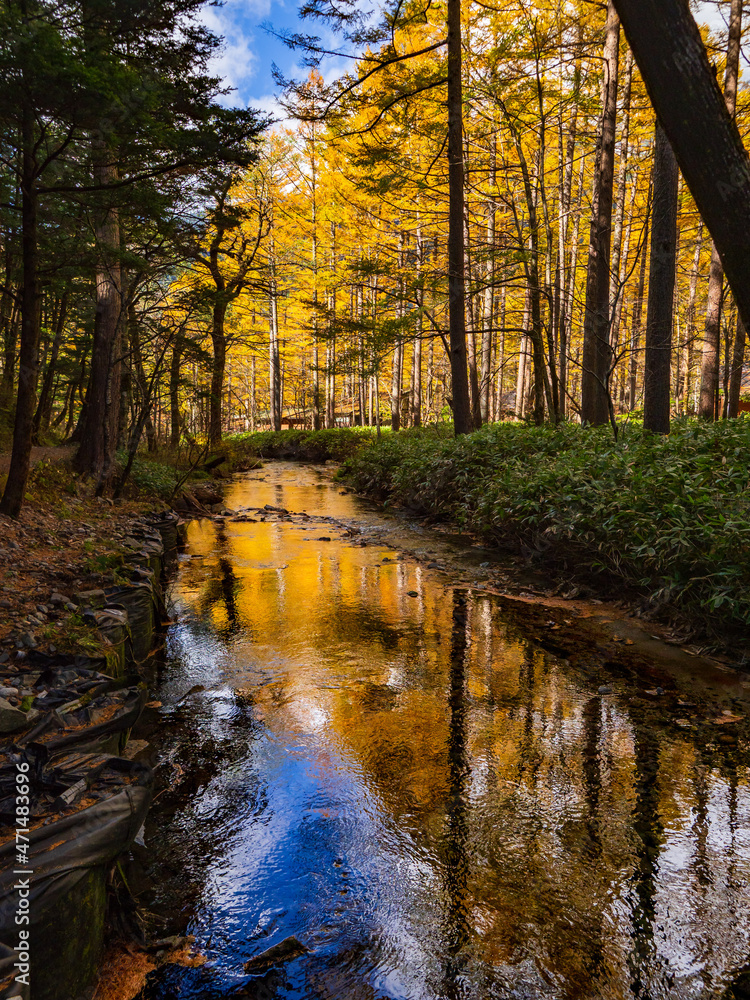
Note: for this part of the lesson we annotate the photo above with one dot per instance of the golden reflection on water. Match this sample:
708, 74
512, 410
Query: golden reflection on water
556, 841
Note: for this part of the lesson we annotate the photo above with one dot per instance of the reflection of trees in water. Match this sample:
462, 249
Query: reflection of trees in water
456, 853
649, 830
592, 785
362, 622
223, 588
183, 844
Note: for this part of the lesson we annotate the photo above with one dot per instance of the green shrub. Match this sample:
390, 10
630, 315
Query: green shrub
151, 479
668, 514
337, 444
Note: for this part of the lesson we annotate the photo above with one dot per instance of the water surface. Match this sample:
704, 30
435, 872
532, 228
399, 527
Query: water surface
383, 766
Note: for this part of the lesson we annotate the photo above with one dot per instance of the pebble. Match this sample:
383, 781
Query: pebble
605, 689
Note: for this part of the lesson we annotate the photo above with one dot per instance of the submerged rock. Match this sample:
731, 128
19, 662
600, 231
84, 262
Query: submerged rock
284, 951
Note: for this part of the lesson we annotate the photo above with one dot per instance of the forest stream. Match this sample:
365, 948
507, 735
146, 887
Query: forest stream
362, 753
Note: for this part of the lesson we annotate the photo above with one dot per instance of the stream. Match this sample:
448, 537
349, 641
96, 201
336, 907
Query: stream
357, 751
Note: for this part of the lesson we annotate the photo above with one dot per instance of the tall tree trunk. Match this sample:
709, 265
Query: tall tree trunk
488, 299
8, 322
416, 380
672, 59
219, 343
661, 283
522, 379
274, 358
99, 432
396, 385
253, 395
709, 385
636, 330
145, 390
44, 406
738, 364
687, 365
456, 280
498, 398
622, 179
471, 319
709, 390
330, 420
28, 362
174, 390
597, 351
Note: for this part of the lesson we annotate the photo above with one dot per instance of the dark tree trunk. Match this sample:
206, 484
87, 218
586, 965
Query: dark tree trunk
174, 392
99, 431
597, 352
456, 279
398, 351
738, 363
144, 389
683, 89
44, 406
636, 330
217, 374
709, 385
656, 401
709, 390
9, 322
28, 366
274, 361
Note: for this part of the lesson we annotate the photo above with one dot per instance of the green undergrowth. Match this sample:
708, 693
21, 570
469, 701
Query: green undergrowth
151, 479
335, 444
669, 515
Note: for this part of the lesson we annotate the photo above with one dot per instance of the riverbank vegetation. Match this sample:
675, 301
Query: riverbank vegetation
666, 516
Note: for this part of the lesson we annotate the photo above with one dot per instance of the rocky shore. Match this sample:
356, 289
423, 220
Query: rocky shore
81, 607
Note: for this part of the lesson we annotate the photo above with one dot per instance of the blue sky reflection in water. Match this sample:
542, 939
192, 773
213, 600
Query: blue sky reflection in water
432, 804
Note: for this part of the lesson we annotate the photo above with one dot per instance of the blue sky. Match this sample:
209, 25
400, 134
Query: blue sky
249, 51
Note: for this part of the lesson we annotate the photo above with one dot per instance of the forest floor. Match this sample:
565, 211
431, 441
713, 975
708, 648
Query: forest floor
51, 453
66, 541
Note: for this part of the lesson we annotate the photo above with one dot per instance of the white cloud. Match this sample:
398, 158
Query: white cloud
237, 62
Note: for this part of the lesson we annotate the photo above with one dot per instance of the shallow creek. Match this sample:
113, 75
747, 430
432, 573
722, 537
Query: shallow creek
392, 769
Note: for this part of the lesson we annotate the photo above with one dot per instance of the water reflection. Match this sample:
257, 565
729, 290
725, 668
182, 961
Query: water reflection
437, 807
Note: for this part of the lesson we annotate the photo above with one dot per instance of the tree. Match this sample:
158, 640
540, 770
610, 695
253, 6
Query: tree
672, 59
709, 390
391, 33
597, 350
661, 283
132, 76
224, 250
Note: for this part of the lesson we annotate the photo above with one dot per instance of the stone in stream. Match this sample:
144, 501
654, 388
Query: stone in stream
284, 951
11, 719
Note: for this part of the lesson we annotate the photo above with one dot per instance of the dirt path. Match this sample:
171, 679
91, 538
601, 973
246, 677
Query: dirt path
37, 454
